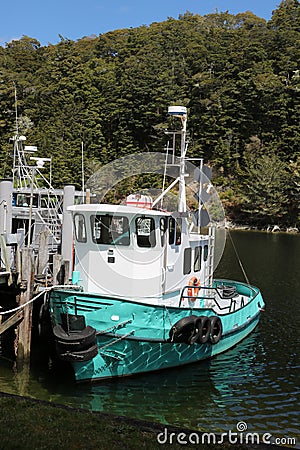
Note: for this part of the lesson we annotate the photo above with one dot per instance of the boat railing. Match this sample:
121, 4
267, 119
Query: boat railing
223, 292
209, 294
241, 288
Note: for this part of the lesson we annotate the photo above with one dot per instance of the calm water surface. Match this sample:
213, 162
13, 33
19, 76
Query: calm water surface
256, 382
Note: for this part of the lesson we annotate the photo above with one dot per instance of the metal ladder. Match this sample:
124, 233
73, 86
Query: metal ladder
210, 266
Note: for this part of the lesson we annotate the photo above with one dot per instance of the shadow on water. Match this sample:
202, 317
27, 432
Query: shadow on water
256, 382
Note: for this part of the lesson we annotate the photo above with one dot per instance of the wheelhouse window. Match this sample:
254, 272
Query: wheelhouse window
24, 200
145, 232
171, 230
80, 230
205, 252
197, 259
110, 229
163, 229
175, 231
178, 231
187, 261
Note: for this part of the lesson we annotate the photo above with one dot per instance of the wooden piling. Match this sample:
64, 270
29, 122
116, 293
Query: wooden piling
58, 278
5, 256
23, 334
67, 271
43, 253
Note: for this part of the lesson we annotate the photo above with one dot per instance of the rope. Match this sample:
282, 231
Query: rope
238, 258
25, 304
33, 299
117, 340
117, 326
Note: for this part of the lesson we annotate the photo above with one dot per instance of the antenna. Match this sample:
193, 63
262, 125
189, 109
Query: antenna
17, 133
40, 162
82, 171
16, 108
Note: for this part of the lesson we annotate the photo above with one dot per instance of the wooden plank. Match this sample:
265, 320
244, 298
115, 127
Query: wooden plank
11, 321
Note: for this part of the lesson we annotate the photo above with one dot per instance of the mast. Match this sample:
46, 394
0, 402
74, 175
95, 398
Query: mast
181, 112
16, 137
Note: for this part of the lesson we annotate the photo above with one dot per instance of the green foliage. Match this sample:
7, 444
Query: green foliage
265, 186
237, 74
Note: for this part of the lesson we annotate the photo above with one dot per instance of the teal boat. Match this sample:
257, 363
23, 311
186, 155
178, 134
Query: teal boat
143, 296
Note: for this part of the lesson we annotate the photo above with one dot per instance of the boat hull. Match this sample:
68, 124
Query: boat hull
134, 338
133, 357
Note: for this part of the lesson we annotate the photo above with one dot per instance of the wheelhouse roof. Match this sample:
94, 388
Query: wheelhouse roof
116, 209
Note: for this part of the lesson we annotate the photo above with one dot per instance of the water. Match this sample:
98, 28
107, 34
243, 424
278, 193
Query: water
257, 382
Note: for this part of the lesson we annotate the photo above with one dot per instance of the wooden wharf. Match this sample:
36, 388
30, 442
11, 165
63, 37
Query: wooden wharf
27, 271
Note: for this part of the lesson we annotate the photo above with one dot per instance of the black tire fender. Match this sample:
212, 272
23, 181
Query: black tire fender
216, 329
75, 340
203, 329
44, 322
77, 356
183, 330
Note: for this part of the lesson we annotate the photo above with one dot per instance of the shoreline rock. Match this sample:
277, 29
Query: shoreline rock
269, 228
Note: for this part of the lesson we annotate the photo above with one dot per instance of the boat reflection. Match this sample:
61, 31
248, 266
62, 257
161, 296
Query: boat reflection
186, 396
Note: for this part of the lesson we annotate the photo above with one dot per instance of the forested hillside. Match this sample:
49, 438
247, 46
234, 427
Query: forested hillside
238, 75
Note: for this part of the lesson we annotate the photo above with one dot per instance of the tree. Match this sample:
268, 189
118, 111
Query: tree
238, 75
264, 183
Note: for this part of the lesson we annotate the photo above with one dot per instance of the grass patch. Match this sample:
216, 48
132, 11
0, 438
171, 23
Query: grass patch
32, 424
